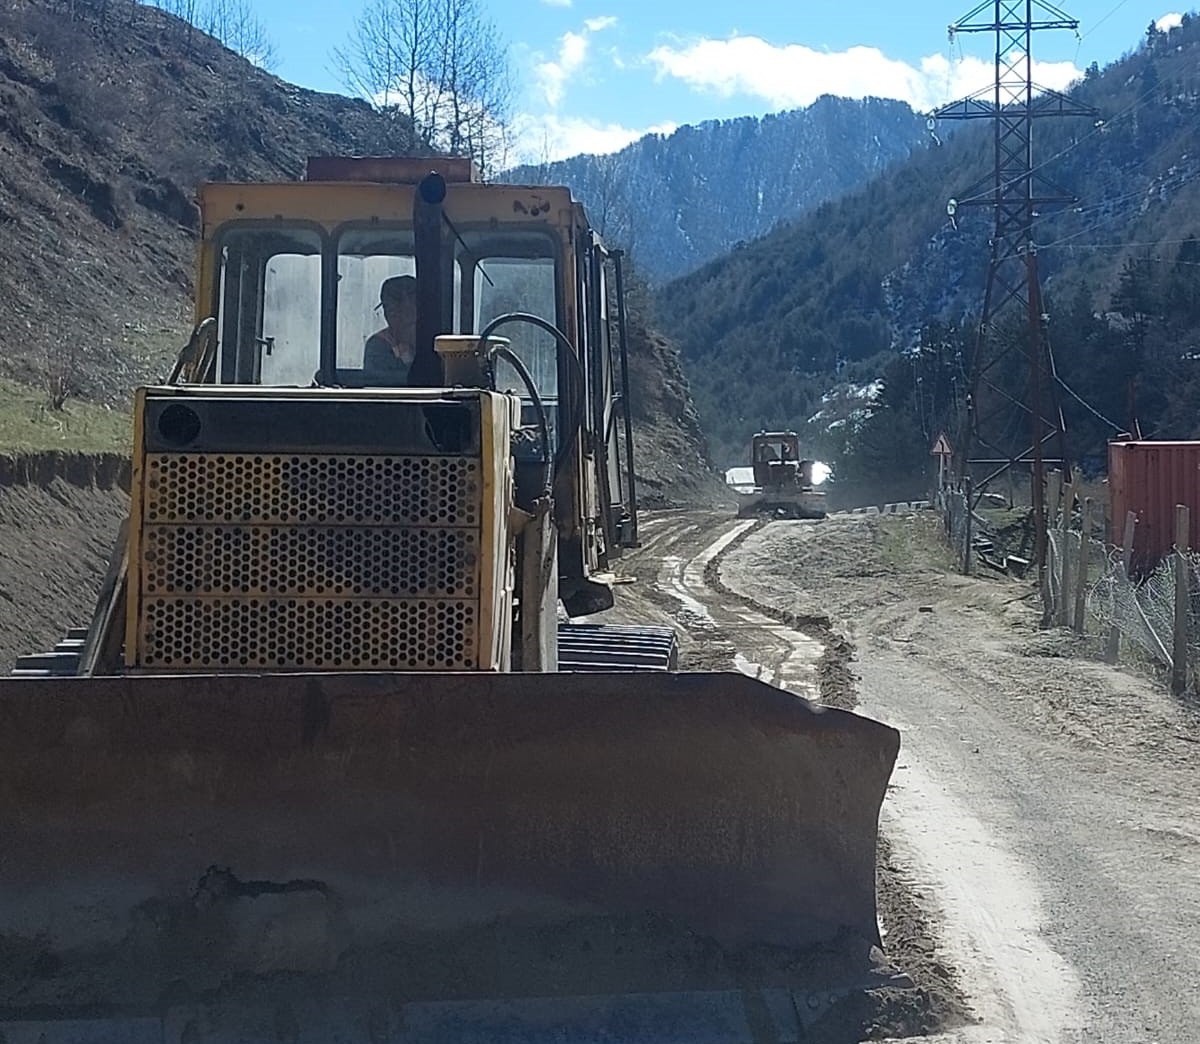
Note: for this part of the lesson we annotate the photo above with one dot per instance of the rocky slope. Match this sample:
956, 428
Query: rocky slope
107, 124
111, 113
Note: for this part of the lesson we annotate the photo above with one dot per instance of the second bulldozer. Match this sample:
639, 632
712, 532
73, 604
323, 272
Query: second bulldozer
783, 482
327, 766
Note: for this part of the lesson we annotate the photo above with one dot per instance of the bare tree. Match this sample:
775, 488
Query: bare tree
478, 84
607, 194
437, 68
234, 23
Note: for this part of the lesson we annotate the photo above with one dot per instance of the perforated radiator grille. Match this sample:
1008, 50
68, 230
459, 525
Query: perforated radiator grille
315, 633
311, 560
414, 491
330, 562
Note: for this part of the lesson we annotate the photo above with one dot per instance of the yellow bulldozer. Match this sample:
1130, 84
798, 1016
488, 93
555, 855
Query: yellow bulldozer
340, 755
782, 482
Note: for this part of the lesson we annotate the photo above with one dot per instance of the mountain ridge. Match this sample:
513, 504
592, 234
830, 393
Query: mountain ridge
676, 201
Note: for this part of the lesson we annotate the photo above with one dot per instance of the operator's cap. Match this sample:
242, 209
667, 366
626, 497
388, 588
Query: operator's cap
397, 287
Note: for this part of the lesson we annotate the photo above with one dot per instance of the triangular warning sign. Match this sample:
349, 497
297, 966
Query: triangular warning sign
941, 448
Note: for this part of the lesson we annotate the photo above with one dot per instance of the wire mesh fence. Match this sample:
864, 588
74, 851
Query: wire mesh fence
1089, 587
1142, 611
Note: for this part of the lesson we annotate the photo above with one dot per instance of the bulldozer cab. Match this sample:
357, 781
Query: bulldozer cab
776, 459
292, 275
783, 482
776, 446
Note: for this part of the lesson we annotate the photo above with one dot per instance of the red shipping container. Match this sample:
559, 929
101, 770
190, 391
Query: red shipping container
1149, 479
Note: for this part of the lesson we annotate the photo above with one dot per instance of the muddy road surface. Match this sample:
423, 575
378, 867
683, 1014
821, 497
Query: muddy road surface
1041, 846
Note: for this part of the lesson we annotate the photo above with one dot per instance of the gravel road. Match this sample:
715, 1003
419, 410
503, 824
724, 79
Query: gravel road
1041, 824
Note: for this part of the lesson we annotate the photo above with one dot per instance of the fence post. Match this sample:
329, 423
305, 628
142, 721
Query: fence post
1179, 671
1054, 484
968, 488
1064, 527
1114, 634
1081, 574
1053, 495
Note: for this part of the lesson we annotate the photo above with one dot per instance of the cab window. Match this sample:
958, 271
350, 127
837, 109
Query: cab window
506, 284
269, 306
511, 270
366, 258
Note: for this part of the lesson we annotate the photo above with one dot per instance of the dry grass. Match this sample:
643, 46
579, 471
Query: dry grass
28, 423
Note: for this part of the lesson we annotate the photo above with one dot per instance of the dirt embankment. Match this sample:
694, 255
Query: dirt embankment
670, 451
59, 514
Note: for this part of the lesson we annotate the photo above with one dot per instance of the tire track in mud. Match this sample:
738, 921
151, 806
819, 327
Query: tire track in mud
836, 680
910, 938
722, 634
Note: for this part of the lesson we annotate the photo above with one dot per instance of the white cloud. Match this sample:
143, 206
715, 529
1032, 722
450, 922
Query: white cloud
1169, 21
943, 81
551, 137
557, 3
793, 75
553, 76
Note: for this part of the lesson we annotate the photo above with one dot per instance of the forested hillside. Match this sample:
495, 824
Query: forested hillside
678, 200
852, 292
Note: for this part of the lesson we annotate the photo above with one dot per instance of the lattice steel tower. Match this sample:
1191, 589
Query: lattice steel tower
1013, 385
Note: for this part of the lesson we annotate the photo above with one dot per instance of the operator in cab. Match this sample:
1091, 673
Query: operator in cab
388, 354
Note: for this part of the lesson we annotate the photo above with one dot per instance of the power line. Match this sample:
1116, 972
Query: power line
1112, 182
1109, 219
1097, 226
1128, 246
1099, 127
1102, 21
1087, 405
1176, 181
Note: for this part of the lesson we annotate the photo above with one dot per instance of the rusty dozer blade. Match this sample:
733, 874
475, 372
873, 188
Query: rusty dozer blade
197, 844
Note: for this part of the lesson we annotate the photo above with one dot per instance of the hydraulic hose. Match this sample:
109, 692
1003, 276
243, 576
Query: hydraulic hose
564, 348
502, 351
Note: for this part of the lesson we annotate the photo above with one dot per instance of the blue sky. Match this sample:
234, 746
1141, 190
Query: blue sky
592, 75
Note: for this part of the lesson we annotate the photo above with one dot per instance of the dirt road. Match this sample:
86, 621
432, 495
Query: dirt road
1041, 837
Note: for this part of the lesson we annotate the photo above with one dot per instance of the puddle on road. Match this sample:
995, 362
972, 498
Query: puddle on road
693, 611
749, 667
